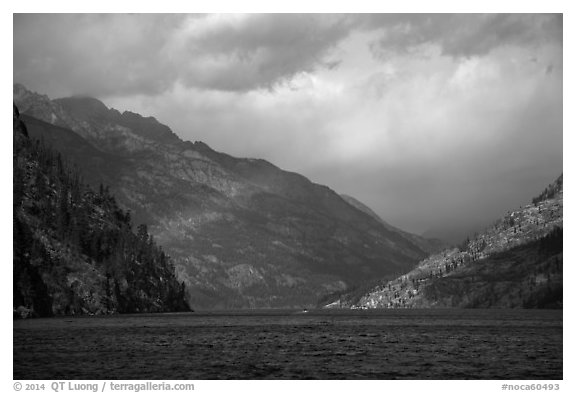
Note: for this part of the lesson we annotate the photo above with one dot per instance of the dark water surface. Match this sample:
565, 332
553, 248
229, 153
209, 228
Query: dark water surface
379, 344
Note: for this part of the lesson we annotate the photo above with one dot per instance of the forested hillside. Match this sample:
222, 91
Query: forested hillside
74, 248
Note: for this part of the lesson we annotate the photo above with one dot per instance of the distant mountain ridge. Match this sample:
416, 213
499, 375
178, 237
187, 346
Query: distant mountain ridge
429, 245
243, 232
517, 262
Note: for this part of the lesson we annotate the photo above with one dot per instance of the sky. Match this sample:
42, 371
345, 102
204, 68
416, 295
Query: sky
435, 121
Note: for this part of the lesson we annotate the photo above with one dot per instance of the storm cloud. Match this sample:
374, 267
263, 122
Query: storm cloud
432, 120
148, 54
464, 34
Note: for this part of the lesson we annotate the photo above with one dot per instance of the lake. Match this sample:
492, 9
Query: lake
281, 344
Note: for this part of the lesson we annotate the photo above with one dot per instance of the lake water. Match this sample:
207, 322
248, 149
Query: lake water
331, 344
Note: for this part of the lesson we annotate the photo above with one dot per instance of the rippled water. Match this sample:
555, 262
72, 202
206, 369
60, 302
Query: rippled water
383, 344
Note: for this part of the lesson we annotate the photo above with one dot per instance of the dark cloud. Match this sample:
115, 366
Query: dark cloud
147, 54
93, 54
464, 34
260, 51
121, 54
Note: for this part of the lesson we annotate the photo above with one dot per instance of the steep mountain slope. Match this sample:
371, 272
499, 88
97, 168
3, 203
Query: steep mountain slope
74, 250
517, 262
528, 276
245, 233
429, 245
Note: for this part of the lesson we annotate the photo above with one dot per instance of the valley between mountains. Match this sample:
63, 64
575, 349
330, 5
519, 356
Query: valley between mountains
243, 233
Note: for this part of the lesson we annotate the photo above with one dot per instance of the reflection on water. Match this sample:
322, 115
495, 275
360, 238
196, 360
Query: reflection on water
382, 344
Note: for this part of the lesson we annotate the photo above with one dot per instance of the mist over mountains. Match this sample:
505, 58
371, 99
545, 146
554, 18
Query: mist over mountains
242, 232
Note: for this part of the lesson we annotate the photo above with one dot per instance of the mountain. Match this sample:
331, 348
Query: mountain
429, 245
74, 249
516, 262
243, 233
